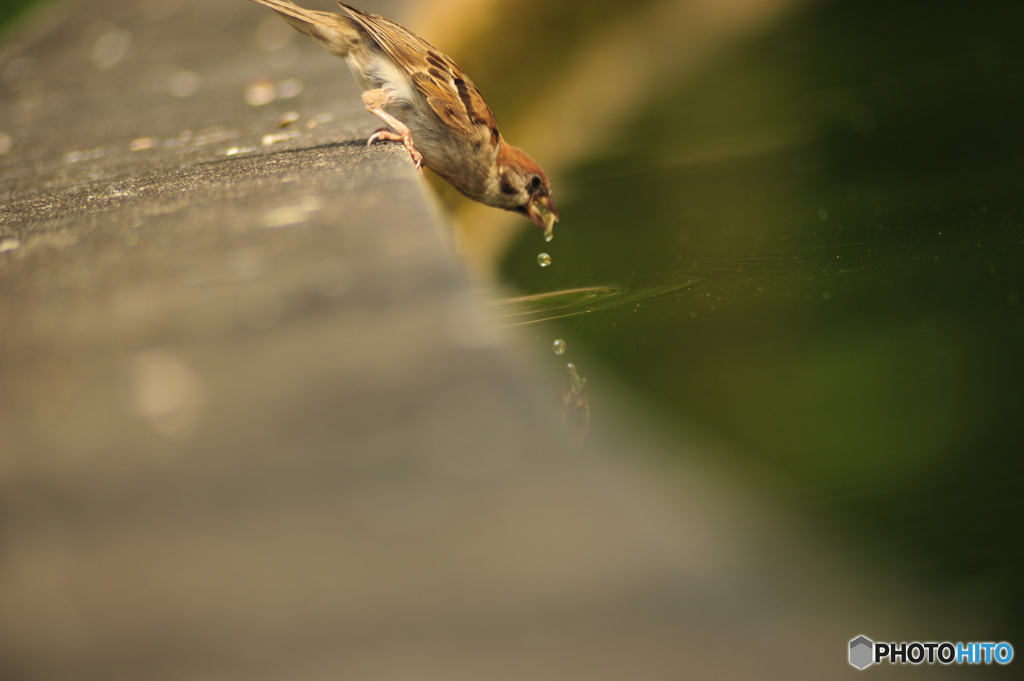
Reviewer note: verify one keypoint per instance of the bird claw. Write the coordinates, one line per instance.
(386, 135)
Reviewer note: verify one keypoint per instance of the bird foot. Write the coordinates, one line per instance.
(406, 139)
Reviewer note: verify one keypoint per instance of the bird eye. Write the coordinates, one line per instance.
(535, 182)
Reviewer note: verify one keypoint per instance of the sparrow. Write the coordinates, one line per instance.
(432, 107)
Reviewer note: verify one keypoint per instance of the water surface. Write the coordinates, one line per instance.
(815, 251)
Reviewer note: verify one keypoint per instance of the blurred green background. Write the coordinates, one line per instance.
(9, 9)
(818, 246)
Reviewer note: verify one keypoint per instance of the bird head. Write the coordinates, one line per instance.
(521, 186)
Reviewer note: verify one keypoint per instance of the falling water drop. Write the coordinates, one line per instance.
(575, 397)
(558, 347)
(543, 259)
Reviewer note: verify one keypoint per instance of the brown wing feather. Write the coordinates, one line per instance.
(449, 92)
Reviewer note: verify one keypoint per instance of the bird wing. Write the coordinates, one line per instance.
(333, 31)
(449, 91)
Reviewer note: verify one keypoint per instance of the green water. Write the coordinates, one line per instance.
(10, 9)
(819, 258)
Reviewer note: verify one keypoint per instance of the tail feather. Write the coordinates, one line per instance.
(333, 31)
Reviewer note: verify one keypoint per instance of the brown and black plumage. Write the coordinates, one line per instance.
(431, 106)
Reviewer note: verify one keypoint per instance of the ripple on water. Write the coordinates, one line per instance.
(730, 277)
(545, 307)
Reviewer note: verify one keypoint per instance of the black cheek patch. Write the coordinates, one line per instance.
(507, 187)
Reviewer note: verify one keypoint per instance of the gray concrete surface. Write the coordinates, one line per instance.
(253, 425)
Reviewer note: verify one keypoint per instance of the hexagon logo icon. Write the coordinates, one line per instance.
(862, 652)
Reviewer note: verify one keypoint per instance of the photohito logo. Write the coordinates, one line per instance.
(864, 652)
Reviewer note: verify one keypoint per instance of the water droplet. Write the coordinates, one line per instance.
(575, 378)
(575, 401)
(549, 235)
(558, 347)
(543, 259)
(823, 214)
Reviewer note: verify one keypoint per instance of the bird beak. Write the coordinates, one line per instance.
(544, 213)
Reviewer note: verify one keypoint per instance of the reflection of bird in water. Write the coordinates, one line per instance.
(433, 108)
(575, 402)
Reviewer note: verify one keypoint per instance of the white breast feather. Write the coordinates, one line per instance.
(394, 81)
